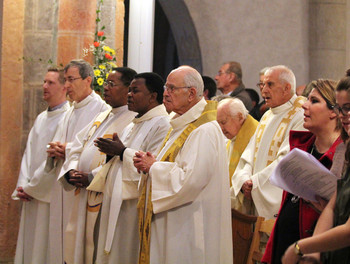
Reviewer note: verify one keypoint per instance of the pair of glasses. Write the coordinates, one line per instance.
(344, 110)
(109, 83)
(71, 79)
(222, 72)
(260, 85)
(171, 89)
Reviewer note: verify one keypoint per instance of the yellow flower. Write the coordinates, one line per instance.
(107, 74)
(102, 67)
(100, 81)
(112, 64)
(97, 72)
(108, 49)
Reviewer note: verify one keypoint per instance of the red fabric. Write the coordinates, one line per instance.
(307, 216)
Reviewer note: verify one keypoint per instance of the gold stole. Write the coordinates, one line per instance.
(242, 139)
(145, 218)
(280, 131)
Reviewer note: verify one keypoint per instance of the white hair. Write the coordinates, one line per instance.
(192, 78)
(263, 70)
(286, 76)
(235, 107)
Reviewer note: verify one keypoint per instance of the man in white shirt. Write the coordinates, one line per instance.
(270, 142)
(184, 208)
(32, 243)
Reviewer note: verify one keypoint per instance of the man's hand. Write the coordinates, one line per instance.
(110, 147)
(143, 161)
(22, 195)
(57, 150)
(247, 189)
(79, 179)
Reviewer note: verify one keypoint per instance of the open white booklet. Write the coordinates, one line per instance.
(301, 174)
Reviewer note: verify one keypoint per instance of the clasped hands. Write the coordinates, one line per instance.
(112, 147)
(247, 189)
(22, 195)
(56, 150)
(143, 161)
(78, 178)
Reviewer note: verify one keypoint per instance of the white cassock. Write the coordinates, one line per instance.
(32, 243)
(84, 156)
(79, 116)
(257, 165)
(118, 233)
(191, 197)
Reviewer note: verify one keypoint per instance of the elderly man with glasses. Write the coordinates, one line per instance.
(184, 208)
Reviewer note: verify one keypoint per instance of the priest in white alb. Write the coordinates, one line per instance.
(83, 161)
(184, 208)
(118, 230)
(33, 236)
(86, 105)
(270, 142)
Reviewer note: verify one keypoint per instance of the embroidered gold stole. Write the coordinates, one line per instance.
(280, 131)
(145, 211)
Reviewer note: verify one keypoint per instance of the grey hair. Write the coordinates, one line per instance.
(192, 78)
(235, 107)
(85, 69)
(263, 70)
(286, 76)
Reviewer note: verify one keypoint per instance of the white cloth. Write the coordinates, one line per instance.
(266, 197)
(75, 120)
(32, 243)
(191, 199)
(81, 157)
(118, 233)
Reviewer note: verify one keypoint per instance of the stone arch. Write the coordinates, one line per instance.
(184, 32)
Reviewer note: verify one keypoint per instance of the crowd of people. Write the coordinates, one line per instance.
(149, 171)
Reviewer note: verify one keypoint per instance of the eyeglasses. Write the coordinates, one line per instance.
(71, 79)
(344, 110)
(171, 89)
(260, 85)
(222, 72)
(109, 83)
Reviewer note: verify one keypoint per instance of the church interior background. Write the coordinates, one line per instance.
(311, 37)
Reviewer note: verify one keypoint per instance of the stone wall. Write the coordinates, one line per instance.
(32, 32)
(10, 121)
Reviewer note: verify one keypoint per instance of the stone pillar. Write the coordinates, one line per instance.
(10, 121)
(327, 38)
(76, 28)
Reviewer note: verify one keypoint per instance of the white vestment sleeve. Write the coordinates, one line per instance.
(180, 182)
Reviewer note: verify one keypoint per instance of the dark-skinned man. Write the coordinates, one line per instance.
(118, 233)
(84, 160)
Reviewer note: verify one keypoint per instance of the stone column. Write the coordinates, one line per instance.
(327, 38)
(10, 121)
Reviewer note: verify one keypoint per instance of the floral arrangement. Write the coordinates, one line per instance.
(104, 56)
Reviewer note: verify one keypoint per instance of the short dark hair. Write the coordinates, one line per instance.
(154, 83)
(85, 69)
(127, 73)
(60, 72)
(210, 85)
(254, 96)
